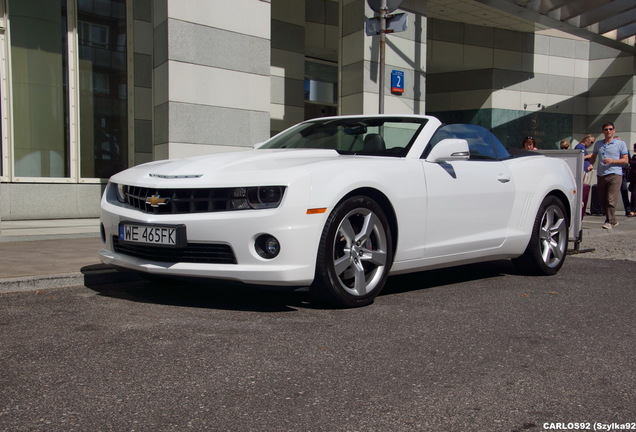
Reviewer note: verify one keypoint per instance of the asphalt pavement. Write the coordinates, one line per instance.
(43, 254)
(479, 348)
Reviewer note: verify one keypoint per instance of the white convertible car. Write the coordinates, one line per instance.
(338, 204)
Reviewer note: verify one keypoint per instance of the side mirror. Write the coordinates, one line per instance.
(449, 149)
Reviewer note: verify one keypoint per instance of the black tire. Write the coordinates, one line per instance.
(547, 249)
(354, 255)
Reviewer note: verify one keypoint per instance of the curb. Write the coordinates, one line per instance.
(95, 275)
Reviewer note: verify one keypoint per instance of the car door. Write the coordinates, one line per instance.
(469, 202)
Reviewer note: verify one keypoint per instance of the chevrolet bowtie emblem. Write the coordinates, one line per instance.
(156, 201)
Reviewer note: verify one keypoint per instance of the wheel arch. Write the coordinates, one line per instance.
(384, 202)
(566, 203)
(547, 246)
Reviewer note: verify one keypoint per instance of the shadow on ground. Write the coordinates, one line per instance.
(214, 294)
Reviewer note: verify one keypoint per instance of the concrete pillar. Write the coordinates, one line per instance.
(211, 76)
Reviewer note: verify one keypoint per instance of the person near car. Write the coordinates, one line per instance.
(625, 191)
(612, 155)
(587, 169)
(529, 143)
(624, 187)
(632, 183)
(564, 144)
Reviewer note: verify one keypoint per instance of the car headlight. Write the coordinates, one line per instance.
(259, 197)
(120, 192)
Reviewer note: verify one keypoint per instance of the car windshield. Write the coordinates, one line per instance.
(379, 136)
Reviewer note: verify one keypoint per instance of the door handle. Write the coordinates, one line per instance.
(503, 178)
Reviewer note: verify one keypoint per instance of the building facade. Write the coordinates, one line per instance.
(90, 87)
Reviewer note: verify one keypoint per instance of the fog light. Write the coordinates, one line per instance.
(267, 246)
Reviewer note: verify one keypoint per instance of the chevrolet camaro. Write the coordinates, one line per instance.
(337, 204)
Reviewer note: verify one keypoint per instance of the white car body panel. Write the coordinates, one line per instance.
(446, 213)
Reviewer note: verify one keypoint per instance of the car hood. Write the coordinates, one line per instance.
(252, 167)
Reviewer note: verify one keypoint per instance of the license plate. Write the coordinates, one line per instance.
(160, 235)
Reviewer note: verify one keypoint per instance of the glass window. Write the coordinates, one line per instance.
(40, 92)
(483, 145)
(103, 87)
(321, 89)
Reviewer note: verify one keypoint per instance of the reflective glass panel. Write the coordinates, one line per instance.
(103, 88)
(40, 97)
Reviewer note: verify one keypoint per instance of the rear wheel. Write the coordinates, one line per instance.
(548, 244)
(355, 254)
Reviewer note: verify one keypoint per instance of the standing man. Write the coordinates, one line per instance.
(613, 155)
(632, 183)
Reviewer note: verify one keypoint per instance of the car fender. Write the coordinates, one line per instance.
(401, 181)
(536, 178)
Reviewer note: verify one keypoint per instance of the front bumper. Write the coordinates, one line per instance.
(298, 233)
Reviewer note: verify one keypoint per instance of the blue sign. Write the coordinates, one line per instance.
(397, 81)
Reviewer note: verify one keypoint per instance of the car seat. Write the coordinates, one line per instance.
(373, 143)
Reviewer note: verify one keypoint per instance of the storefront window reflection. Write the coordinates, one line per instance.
(40, 84)
(40, 95)
(103, 91)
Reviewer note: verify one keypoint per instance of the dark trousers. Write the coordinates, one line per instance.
(625, 196)
(586, 195)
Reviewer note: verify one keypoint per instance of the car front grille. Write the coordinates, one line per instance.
(203, 253)
(178, 201)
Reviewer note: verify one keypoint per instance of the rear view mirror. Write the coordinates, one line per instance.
(356, 130)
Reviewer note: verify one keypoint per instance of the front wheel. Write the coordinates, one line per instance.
(355, 254)
(548, 244)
